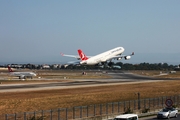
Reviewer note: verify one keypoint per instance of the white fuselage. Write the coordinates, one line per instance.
(23, 74)
(103, 57)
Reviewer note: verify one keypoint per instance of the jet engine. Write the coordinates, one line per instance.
(119, 58)
(83, 62)
(127, 57)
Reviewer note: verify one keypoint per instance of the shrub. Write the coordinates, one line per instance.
(128, 110)
(146, 110)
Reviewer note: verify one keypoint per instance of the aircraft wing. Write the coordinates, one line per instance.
(74, 56)
(22, 76)
(126, 57)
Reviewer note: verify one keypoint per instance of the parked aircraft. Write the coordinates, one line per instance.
(21, 75)
(102, 58)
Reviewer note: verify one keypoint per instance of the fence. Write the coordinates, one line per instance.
(79, 112)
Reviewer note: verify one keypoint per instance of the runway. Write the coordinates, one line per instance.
(118, 77)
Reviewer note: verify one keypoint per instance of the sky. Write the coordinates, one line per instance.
(38, 30)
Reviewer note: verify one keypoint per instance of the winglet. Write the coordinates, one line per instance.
(132, 53)
(62, 54)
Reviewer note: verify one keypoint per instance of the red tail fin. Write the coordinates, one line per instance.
(9, 69)
(82, 55)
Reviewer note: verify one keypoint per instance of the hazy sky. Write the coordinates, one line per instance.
(38, 30)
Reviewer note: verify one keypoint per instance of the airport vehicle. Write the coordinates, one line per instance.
(21, 75)
(167, 113)
(101, 59)
(127, 117)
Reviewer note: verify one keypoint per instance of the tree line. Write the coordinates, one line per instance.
(146, 66)
(112, 65)
(129, 66)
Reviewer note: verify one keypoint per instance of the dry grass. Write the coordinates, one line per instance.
(62, 98)
(162, 74)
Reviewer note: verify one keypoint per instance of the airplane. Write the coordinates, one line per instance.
(102, 58)
(21, 75)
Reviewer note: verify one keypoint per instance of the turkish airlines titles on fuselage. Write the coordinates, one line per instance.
(103, 57)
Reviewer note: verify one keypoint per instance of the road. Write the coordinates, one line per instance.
(155, 118)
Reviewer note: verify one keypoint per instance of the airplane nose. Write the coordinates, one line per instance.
(122, 49)
(33, 74)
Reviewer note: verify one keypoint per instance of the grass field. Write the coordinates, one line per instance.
(156, 73)
(62, 98)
